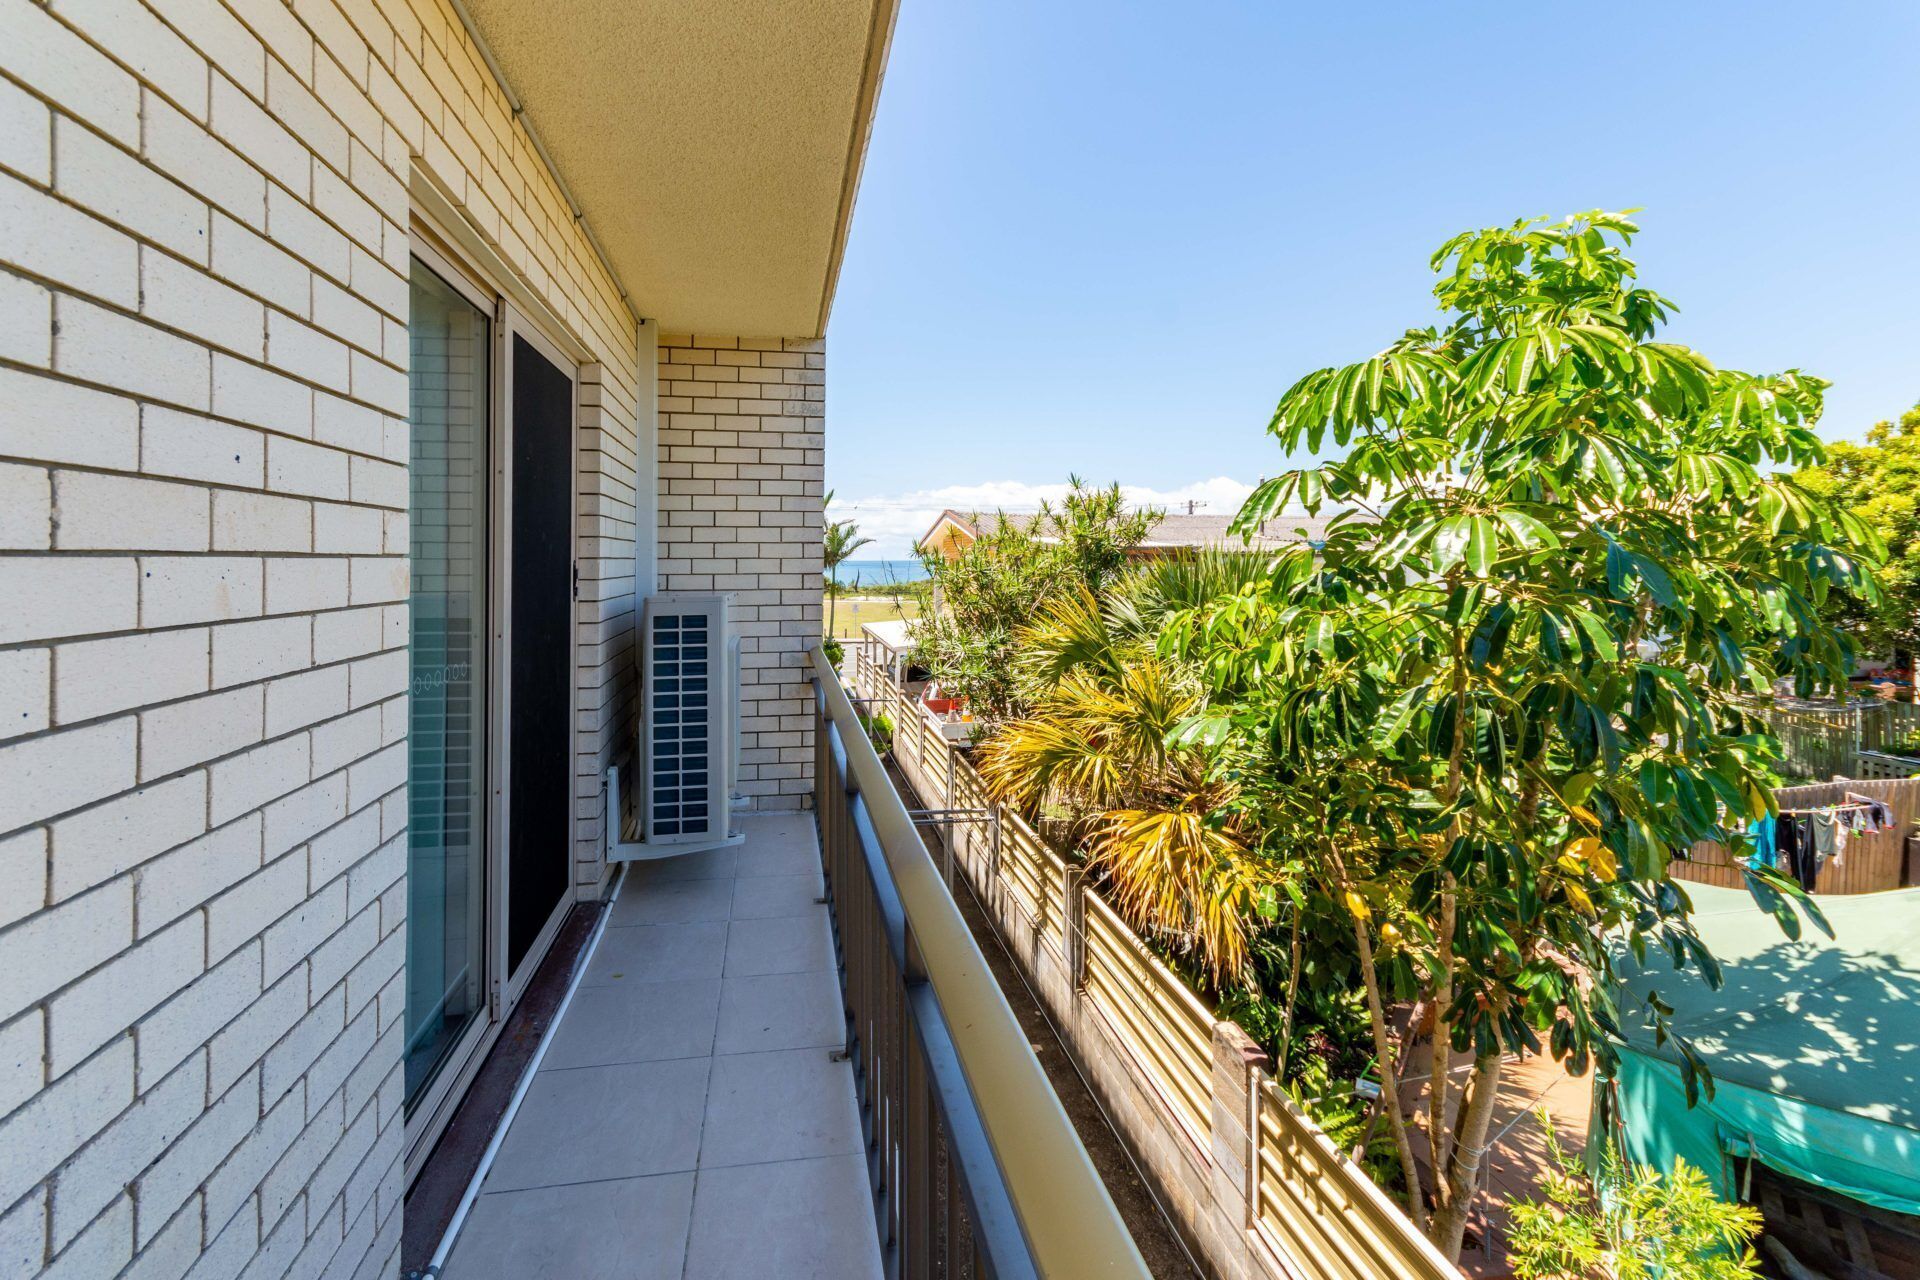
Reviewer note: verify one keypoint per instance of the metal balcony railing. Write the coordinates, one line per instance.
(975, 1168)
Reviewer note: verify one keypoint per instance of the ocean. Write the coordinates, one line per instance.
(880, 572)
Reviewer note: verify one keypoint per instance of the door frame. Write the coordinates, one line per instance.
(427, 1119)
(510, 323)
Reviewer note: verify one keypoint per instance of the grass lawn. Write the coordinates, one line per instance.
(855, 611)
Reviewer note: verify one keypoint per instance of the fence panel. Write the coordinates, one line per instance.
(1876, 764)
(1818, 742)
(1315, 1205)
(1023, 868)
(1162, 1024)
(1892, 724)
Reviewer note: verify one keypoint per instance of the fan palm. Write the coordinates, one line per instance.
(1093, 753)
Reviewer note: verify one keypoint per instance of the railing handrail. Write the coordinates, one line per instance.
(1070, 1222)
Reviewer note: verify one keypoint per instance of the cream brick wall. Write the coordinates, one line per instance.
(741, 483)
(204, 235)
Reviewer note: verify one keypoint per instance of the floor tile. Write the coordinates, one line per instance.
(780, 1011)
(658, 953)
(809, 1219)
(672, 902)
(794, 858)
(626, 1229)
(778, 896)
(640, 1022)
(604, 1122)
(781, 831)
(781, 944)
(778, 1106)
(708, 864)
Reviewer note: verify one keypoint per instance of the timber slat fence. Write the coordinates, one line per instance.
(1254, 1188)
(1859, 738)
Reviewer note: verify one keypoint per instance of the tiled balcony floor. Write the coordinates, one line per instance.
(687, 1120)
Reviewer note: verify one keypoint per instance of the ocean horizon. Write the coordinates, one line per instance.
(880, 573)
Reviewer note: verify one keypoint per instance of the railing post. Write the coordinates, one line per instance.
(1073, 923)
(1239, 1064)
(993, 856)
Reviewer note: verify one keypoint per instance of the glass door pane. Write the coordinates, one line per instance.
(448, 712)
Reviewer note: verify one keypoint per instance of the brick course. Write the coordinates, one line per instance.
(742, 479)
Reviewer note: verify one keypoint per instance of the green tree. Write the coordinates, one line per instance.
(1001, 582)
(842, 540)
(1631, 1223)
(1487, 719)
(1879, 481)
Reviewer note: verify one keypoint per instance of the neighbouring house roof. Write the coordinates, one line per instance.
(713, 148)
(1172, 531)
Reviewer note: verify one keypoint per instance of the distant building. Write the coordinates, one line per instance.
(954, 531)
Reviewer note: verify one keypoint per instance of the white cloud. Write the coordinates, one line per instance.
(896, 521)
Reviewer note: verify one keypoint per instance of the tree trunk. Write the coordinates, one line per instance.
(1293, 994)
(1449, 1227)
(1389, 1076)
(1439, 1132)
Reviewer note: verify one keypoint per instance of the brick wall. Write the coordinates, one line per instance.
(203, 587)
(741, 482)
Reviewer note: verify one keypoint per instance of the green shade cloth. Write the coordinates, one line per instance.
(1814, 1046)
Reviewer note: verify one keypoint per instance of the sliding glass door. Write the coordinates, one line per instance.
(491, 648)
(450, 708)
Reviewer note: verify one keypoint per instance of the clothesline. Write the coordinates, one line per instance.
(1801, 842)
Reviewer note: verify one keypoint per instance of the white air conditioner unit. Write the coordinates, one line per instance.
(689, 730)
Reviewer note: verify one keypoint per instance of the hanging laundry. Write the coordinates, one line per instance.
(1791, 833)
(1827, 835)
(1760, 831)
(1875, 816)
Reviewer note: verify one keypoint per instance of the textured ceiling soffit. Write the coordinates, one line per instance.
(707, 143)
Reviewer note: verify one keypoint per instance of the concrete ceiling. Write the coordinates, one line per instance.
(713, 145)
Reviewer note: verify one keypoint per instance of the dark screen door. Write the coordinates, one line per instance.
(539, 751)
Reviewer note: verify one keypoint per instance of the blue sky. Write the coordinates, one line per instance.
(1104, 237)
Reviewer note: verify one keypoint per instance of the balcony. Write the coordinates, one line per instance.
(691, 1115)
(791, 1060)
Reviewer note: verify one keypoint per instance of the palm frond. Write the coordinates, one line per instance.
(1174, 871)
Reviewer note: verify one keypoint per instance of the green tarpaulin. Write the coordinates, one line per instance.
(1814, 1046)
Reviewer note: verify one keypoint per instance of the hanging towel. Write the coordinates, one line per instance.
(1828, 837)
(1761, 832)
